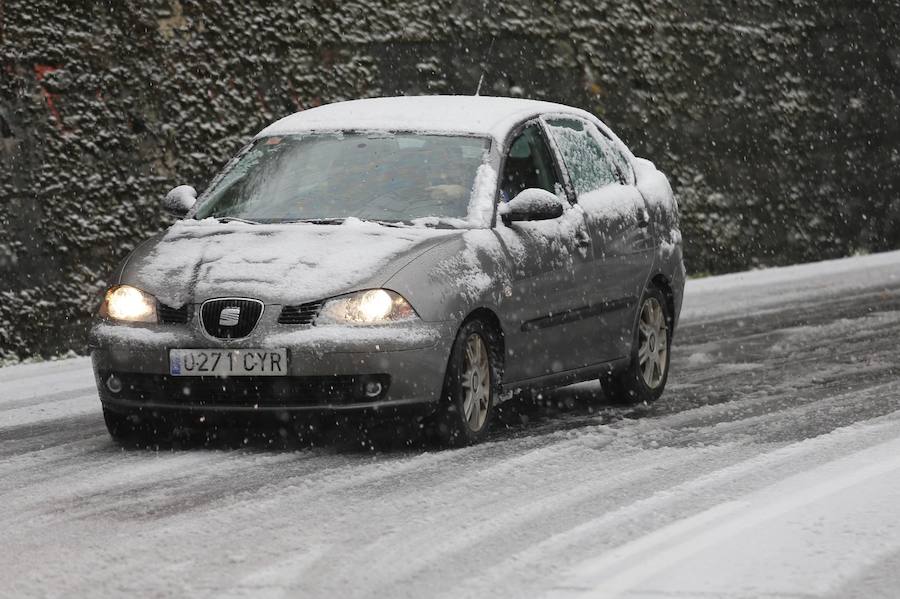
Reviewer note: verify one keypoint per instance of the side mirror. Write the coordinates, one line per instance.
(531, 204)
(180, 200)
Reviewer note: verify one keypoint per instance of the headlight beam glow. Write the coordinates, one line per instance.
(374, 306)
(129, 304)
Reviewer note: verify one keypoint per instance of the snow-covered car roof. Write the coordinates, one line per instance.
(472, 115)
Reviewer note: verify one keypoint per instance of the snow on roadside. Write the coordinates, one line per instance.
(25, 382)
(38, 392)
(756, 291)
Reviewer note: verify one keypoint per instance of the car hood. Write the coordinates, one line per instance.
(279, 264)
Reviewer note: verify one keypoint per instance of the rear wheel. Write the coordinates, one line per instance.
(646, 375)
(470, 386)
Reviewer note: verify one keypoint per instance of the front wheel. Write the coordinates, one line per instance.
(646, 375)
(470, 386)
(131, 429)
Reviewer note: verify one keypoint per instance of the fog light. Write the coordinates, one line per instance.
(113, 383)
(373, 389)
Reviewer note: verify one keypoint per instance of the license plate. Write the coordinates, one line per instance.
(228, 362)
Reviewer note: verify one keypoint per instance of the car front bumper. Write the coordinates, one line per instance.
(328, 368)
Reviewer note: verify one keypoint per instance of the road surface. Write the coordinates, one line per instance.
(771, 467)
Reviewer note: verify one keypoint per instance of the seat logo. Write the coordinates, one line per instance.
(229, 316)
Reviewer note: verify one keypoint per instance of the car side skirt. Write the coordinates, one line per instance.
(566, 377)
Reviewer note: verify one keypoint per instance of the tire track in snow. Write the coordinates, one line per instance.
(456, 541)
(62, 408)
(39, 400)
(624, 568)
(667, 504)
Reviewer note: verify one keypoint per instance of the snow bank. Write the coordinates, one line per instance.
(760, 290)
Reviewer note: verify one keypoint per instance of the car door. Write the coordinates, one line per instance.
(618, 223)
(550, 266)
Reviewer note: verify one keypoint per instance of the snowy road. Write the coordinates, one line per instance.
(771, 467)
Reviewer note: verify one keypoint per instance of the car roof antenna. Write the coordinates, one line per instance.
(484, 67)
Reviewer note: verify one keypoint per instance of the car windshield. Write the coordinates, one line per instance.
(329, 177)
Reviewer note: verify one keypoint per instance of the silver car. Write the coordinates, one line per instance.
(423, 257)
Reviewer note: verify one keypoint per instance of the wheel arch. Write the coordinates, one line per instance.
(444, 423)
(661, 282)
(489, 317)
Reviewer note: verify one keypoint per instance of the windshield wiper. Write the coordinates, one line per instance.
(235, 219)
(428, 224)
(385, 223)
(390, 223)
(318, 221)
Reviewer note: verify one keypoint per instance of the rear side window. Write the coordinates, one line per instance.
(588, 162)
(614, 155)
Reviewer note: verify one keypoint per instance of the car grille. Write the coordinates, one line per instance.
(230, 318)
(302, 314)
(170, 315)
(247, 391)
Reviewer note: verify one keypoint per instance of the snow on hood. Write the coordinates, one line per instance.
(278, 263)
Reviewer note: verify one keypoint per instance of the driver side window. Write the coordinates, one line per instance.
(528, 164)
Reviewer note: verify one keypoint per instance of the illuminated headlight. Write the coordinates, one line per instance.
(129, 304)
(375, 306)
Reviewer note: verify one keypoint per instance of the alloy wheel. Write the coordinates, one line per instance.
(476, 383)
(653, 343)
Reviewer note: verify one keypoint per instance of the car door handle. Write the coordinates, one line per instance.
(643, 218)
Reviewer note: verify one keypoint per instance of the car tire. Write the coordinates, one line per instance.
(119, 425)
(471, 386)
(645, 377)
(130, 429)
